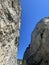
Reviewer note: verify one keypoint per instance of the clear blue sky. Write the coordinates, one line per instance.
(32, 12)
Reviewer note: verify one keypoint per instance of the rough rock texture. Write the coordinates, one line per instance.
(39, 47)
(10, 12)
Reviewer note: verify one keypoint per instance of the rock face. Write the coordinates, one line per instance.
(10, 12)
(39, 48)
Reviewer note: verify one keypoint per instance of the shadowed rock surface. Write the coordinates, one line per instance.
(10, 12)
(38, 51)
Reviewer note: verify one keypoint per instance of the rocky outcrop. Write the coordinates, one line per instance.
(39, 47)
(10, 12)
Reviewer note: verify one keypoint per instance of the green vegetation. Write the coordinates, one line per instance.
(24, 62)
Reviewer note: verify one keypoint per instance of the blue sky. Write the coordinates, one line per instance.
(32, 12)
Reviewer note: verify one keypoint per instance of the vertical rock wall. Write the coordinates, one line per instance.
(38, 51)
(10, 12)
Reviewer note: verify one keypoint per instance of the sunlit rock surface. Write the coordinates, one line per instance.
(38, 51)
(10, 12)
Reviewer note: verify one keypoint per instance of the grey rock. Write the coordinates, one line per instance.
(39, 47)
(10, 13)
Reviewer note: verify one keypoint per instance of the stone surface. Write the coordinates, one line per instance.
(39, 47)
(10, 12)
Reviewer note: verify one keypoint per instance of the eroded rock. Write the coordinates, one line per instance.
(10, 12)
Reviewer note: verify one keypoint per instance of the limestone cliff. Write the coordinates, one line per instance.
(10, 12)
